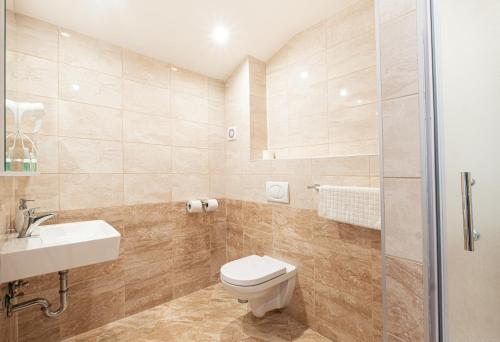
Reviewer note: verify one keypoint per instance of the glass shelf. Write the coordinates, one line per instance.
(18, 174)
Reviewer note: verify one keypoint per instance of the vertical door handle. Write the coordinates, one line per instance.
(470, 235)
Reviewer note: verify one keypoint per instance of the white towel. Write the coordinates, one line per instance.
(354, 205)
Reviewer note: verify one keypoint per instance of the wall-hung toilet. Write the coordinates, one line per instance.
(266, 283)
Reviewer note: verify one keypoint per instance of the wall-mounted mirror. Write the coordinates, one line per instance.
(23, 114)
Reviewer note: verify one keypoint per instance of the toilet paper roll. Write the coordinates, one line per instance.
(194, 206)
(212, 205)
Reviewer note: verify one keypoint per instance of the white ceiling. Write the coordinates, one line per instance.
(178, 31)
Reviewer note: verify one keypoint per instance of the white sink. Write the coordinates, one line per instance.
(57, 247)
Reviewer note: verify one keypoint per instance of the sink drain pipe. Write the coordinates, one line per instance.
(44, 303)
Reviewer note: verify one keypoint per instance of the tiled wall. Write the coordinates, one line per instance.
(127, 139)
(338, 292)
(245, 178)
(120, 128)
(339, 289)
(403, 231)
(322, 89)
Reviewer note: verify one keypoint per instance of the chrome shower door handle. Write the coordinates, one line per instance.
(470, 235)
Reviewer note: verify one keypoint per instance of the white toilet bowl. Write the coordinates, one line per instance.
(266, 283)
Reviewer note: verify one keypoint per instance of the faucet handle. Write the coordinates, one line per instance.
(23, 203)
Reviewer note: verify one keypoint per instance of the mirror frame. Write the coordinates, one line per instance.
(2, 86)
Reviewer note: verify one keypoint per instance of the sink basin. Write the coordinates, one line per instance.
(57, 247)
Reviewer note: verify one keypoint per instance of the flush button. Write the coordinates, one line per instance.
(277, 192)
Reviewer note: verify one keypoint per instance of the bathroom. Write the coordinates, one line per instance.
(248, 171)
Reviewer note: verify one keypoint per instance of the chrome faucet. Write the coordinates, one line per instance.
(28, 220)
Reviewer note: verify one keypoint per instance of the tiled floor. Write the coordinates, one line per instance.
(207, 315)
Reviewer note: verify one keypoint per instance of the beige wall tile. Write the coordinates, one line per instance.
(391, 9)
(147, 188)
(48, 154)
(189, 83)
(351, 22)
(352, 90)
(31, 36)
(88, 121)
(403, 218)
(353, 124)
(31, 75)
(144, 128)
(189, 160)
(341, 166)
(189, 107)
(82, 51)
(44, 189)
(189, 134)
(352, 55)
(401, 140)
(217, 186)
(139, 97)
(90, 156)
(307, 43)
(80, 191)
(354, 148)
(145, 69)
(399, 57)
(146, 158)
(91, 87)
(190, 186)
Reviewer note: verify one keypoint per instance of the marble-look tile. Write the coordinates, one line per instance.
(90, 156)
(353, 124)
(48, 154)
(206, 315)
(86, 52)
(341, 166)
(391, 9)
(401, 138)
(189, 107)
(351, 22)
(31, 36)
(147, 188)
(399, 57)
(357, 88)
(143, 98)
(31, 75)
(188, 82)
(189, 160)
(145, 69)
(79, 191)
(91, 87)
(403, 218)
(189, 134)
(405, 301)
(351, 55)
(80, 120)
(148, 129)
(44, 189)
(146, 158)
(186, 186)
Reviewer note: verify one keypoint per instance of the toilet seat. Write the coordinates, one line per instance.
(254, 270)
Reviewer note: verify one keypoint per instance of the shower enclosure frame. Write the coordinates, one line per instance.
(435, 285)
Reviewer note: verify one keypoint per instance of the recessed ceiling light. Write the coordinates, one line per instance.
(65, 34)
(343, 92)
(75, 87)
(304, 75)
(220, 34)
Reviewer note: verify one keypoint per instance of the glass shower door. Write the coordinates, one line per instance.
(467, 61)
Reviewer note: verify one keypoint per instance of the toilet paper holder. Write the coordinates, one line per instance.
(205, 205)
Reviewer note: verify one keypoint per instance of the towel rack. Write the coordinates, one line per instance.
(314, 187)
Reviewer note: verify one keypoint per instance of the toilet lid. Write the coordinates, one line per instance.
(252, 270)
